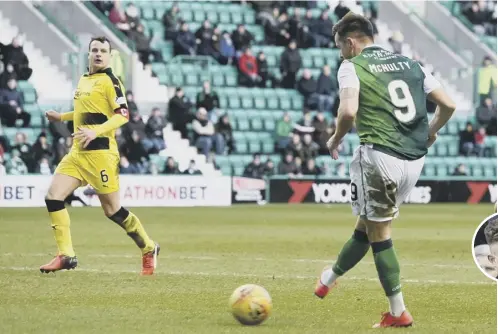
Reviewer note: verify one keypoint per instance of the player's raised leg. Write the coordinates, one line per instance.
(62, 185)
(134, 228)
(388, 269)
(351, 254)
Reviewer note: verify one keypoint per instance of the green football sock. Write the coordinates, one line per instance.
(387, 266)
(353, 251)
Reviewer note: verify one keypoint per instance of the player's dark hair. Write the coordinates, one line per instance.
(353, 23)
(101, 39)
(491, 231)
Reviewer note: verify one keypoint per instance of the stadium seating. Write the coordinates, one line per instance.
(255, 111)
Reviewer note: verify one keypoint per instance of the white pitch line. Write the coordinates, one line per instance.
(212, 258)
(229, 274)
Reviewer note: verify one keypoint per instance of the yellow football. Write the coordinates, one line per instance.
(250, 304)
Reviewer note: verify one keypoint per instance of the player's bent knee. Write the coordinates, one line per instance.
(378, 231)
(119, 217)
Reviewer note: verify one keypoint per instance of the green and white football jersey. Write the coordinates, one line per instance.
(392, 112)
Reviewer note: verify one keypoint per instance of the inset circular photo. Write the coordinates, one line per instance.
(485, 247)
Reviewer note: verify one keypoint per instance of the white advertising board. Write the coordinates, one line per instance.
(136, 191)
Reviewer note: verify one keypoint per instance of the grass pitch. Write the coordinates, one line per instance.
(208, 252)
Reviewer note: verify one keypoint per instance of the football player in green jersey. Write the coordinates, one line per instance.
(384, 95)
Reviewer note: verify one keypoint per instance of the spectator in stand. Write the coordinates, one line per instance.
(242, 38)
(192, 169)
(118, 17)
(486, 112)
(477, 16)
(309, 148)
(467, 140)
(248, 70)
(322, 133)
(307, 86)
(62, 147)
(204, 135)
(132, 16)
(287, 166)
(322, 30)
(209, 100)
(170, 167)
(264, 73)
(211, 159)
(142, 44)
(270, 22)
(296, 146)
(154, 130)
(269, 169)
(224, 129)
(185, 42)
(460, 170)
(487, 80)
(11, 104)
(137, 125)
(4, 142)
(305, 124)
(125, 167)
(43, 166)
(283, 130)
(480, 137)
(14, 54)
(7, 75)
(136, 154)
(341, 10)
(171, 20)
(255, 169)
(326, 90)
(311, 168)
(296, 26)
(40, 149)
(130, 100)
(283, 35)
(227, 49)
(299, 166)
(120, 138)
(290, 63)
(179, 112)
(16, 165)
(204, 40)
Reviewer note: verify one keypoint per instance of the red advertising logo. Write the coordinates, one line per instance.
(300, 190)
(477, 191)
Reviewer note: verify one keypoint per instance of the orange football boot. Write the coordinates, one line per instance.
(388, 320)
(149, 261)
(60, 262)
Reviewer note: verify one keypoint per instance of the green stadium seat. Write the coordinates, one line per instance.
(212, 16)
(307, 62)
(247, 102)
(453, 147)
(256, 124)
(218, 79)
(29, 96)
(224, 17)
(254, 147)
(243, 124)
(269, 124)
(477, 171)
(191, 79)
(285, 103)
(199, 16)
(148, 13)
(241, 147)
(429, 170)
(231, 79)
(236, 18)
(249, 18)
(272, 102)
(234, 102)
(267, 147)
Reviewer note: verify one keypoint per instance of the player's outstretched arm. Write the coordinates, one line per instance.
(54, 116)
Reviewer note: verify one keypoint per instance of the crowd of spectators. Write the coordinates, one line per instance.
(481, 14)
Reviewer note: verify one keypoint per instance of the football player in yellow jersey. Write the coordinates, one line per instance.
(99, 109)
